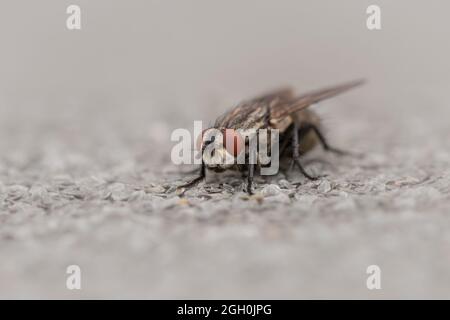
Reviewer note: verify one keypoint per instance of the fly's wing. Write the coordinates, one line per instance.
(280, 111)
(274, 107)
(254, 113)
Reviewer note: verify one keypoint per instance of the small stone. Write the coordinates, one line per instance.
(324, 186)
(343, 194)
(155, 189)
(180, 191)
(38, 192)
(16, 192)
(213, 188)
(284, 184)
(271, 190)
(119, 192)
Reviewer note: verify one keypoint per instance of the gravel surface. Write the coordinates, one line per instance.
(103, 197)
(86, 177)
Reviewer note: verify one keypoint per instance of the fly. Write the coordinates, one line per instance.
(299, 129)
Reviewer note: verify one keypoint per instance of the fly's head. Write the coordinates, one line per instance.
(220, 148)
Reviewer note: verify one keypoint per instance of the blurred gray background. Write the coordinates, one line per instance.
(85, 173)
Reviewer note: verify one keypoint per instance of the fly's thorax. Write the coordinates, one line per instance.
(281, 124)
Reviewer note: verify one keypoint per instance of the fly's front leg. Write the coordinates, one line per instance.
(296, 155)
(197, 179)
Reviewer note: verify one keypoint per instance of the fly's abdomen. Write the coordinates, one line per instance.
(307, 141)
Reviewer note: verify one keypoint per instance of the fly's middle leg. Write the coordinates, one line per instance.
(251, 164)
(195, 180)
(251, 172)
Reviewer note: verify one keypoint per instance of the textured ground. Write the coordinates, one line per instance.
(102, 197)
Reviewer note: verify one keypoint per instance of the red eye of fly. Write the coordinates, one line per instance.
(233, 142)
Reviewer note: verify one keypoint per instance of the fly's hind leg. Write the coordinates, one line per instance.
(324, 142)
(296, 154)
